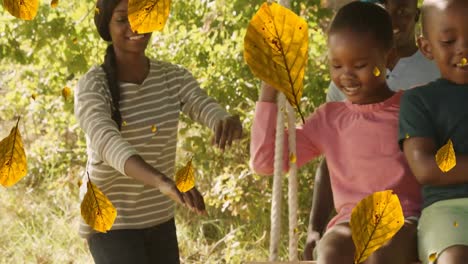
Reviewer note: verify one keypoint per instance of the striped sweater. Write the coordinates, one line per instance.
(150, 113)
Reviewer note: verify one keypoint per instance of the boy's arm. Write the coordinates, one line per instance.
(322, 207)
(420, 153)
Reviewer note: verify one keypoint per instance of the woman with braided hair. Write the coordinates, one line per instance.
(129, 109)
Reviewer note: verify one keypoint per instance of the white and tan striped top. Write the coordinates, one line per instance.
(150, 114)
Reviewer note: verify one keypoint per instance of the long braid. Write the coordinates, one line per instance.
(110, 68)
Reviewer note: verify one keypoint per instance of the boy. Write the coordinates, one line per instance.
(430, 116)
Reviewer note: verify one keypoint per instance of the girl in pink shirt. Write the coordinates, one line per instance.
(357, 136)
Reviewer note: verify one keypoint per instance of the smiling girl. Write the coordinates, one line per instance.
(357, 136)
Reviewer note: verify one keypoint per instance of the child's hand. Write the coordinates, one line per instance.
(227, 130)
(313, 238)
(191, 199)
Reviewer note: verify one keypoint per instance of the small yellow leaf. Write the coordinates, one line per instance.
(376, 72)
(96, 10)
(148, 15)
(66, 92)
(154, 129)
(124, 123)
(374, 221)
(433, 257)
(463, 62)
(407, 135)
(445, 157)
(455, 224)
(13, 164)
(97, 210)
(54, 3)
(292, 158)
(34, 96)
(185, 177)
(23, 9)
(276, 49)
(75, 40)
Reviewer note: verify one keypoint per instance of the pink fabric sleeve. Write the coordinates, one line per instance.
(262, 145)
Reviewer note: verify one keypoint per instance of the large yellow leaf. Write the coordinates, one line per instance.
(275, 48)
(185, 177)
(374, 221)
(445, 157)
(148, 15)
(13, 165)
(97, 210)
(23, 9)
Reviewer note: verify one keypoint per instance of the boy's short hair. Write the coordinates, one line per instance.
(368, 18)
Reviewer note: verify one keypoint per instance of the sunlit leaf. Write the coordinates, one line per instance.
(455, 224)
(23, 9)
(124, 123)
(185, 177)
(292, 158)
(374, 221)
(463, 62)
(34, 96)
(54, 3)
(148, 15)
(13, 164)
(432, 257)
(275, 48)
(66, 92)
(97, 210)
(154, 128)
(445, 157)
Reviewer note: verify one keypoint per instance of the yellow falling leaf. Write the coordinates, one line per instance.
(463, 62)
(407, 136)
(96, 10)
(23, 9)
(66, 92)
(275, 49)
(75, 40)
(374, 221)
(34, 96)
(445, 157)
(185, 177)
(124, 123)
(376, 72)
(13, 164)
(97, 210)
(154, 129)
(54, 3)
(148, 15)
(292, 158)
(455, 224)
(433, 257)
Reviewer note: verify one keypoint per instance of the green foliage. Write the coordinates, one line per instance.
(206, 36)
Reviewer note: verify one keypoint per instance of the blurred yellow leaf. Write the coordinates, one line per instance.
(154, 128)
(445, 157)
(292, 158)
(463, 62)
(54, 3)
(148, 15)
(433, 257)
(185, 177)
(374, 221)
(376, 72)
(34, 96)
(275, 48)
(66, 92)
(97, 210)
(13, 164)
(23, 9)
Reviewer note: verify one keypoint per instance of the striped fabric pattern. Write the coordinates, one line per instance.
(150, 113)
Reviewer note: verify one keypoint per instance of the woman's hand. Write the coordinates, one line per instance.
(227, 130)
(191, 199)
